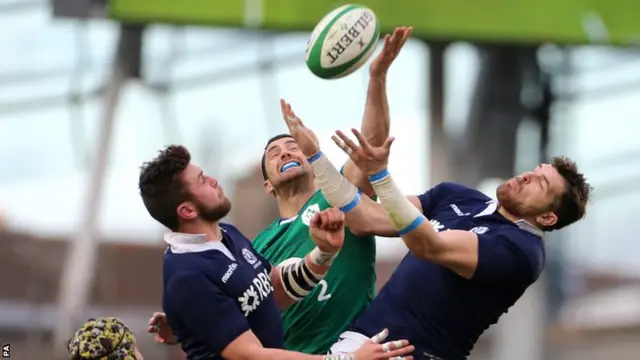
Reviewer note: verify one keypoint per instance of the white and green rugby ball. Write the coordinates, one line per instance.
(342, 42)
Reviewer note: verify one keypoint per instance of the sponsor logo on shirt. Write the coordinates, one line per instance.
(256, 293)
(251, 259)
(457, 210)
(437, 226)
(308, 213)
(479, 229)
(229, 272)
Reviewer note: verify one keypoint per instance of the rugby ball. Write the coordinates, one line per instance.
(342, 42)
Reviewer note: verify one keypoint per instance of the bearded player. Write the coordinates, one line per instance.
(221, 298)
(313, 324)
(470, 258)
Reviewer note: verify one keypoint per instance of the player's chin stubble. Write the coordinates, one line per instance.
(215, 213)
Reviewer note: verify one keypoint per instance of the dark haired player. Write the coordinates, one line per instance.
(313, 324)
(470, 258)
(221, 298)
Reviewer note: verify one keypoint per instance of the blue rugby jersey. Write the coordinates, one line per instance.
(440, 312)
(216, 290)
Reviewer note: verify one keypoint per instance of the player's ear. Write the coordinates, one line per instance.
(547, 219)
(268, 188)
(187, 211)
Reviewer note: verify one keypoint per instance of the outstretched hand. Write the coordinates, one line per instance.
(392, 45)
(374, 350)
(306, 139)
(370, 159)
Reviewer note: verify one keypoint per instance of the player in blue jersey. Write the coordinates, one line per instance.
(221, 298)
(470, 258)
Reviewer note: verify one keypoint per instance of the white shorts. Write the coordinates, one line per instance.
(348, 342)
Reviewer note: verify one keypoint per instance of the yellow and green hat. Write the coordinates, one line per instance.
(104, 338)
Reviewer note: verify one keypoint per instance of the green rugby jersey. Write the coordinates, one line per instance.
(313, 324)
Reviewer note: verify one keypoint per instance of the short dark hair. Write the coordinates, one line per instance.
(161, 187)
(264, 153)
(571, 206)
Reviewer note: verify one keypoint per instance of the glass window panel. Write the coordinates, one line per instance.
(197, 39)
(597, 128)
(462, 64)
(232, 114)
(29, 93)
(220, 62)
(99, 38)
(35, 145)
(608, 240)
(43, 44)
(590, 120)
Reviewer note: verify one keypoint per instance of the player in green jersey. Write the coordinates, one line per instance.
(314, 324)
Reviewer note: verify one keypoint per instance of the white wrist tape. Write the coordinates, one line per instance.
(338, 191)
(403, 215)
(321, 258)
(297, 279)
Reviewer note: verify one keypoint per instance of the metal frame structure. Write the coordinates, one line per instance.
(78, 275)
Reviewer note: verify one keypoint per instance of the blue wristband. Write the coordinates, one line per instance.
(314, 157)
(379, 176)
(414, 225)
(352, 204)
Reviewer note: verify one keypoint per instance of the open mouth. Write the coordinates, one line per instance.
(289, 165)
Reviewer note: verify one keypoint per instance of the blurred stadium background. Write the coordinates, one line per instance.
(483, 90)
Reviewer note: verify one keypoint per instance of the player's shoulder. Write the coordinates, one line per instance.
(233, 232)
(229, 228)
(456, 189)
(269, 230)
(527, 244)
(189, 262)
(451, 192)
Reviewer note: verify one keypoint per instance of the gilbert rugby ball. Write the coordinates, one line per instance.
(342, 42)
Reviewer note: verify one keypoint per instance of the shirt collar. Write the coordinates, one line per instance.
(492, 207)
(181, 243)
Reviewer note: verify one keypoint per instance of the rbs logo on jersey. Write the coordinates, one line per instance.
(259, 289)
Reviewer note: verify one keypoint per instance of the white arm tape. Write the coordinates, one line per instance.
(338, 191)
(297, 279)
(319, 257)
(403, 215)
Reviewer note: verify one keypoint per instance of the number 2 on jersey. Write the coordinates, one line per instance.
(324, 291)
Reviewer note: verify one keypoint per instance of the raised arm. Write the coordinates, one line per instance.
(370, 218)
(455, 249)
(295, 278)
(363, 216)
(376, 122)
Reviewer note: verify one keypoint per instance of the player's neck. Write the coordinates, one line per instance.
(211, 229)
(289, 204)
(509, 216)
